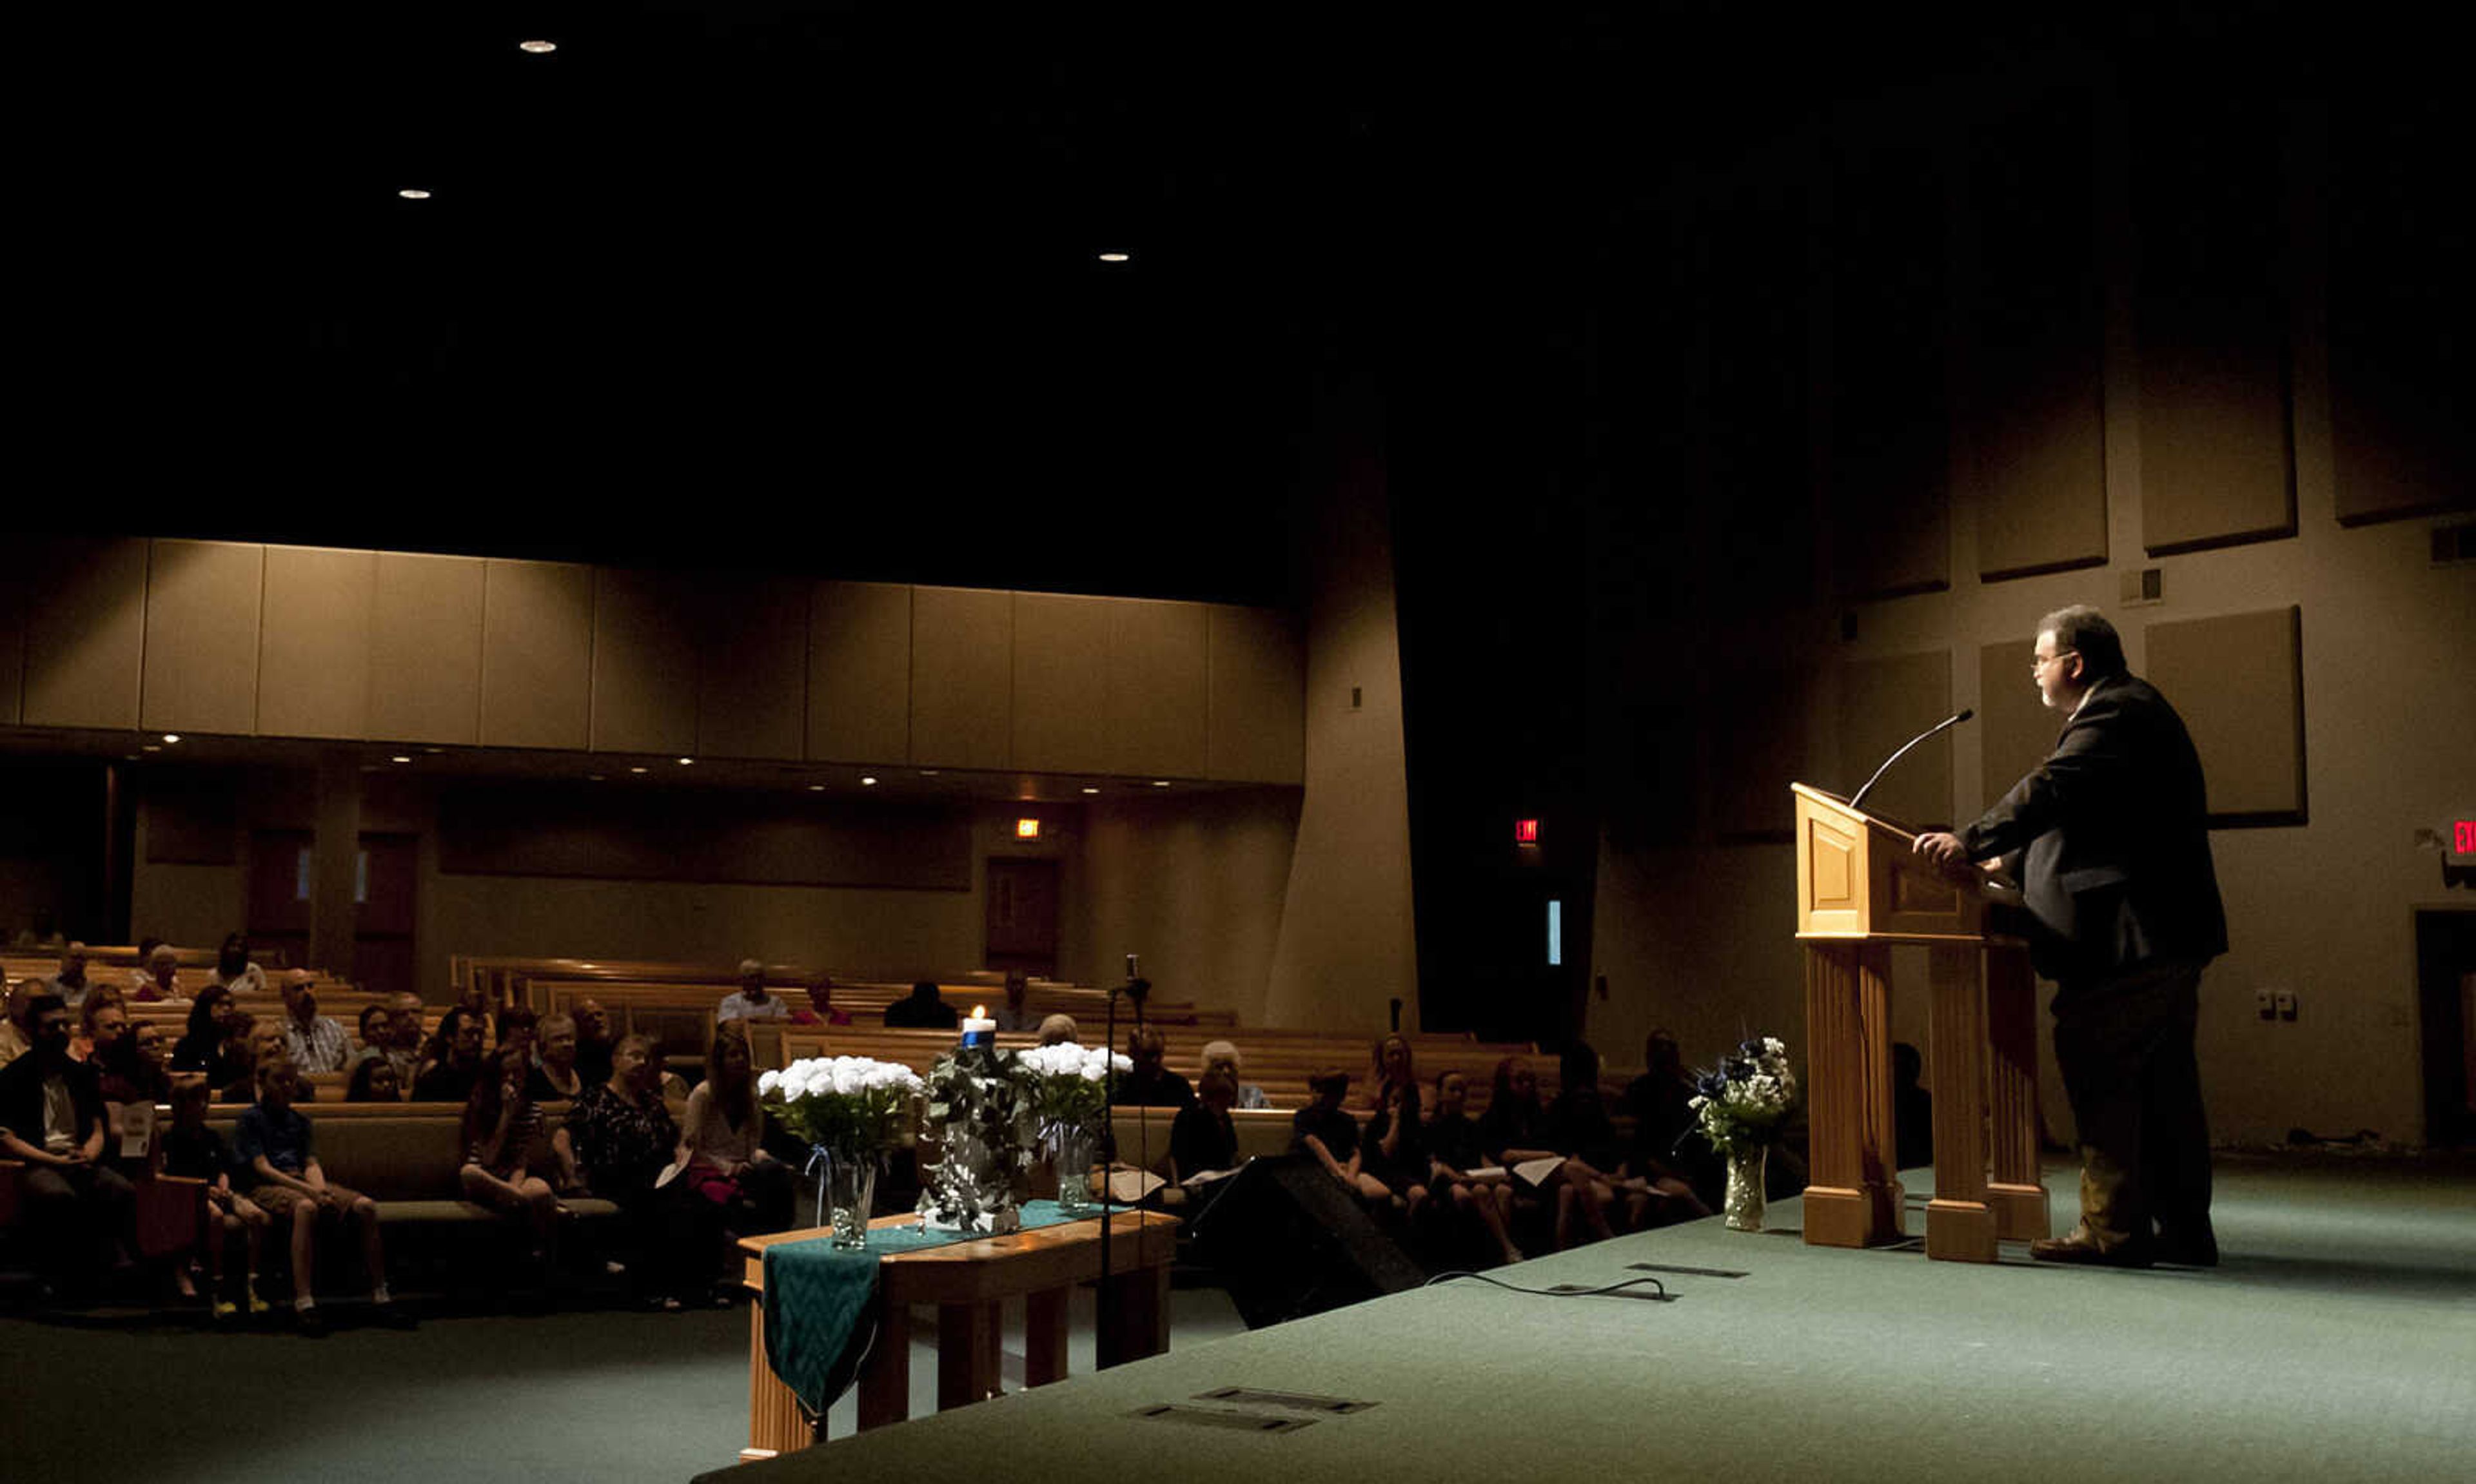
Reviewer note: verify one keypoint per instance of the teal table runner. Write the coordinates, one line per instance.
(818, 1300)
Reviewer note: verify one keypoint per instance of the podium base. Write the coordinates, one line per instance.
(2020, 1212)
(1837, 1216)
(1959, 1232)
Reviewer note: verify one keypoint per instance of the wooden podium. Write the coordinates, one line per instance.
(1861, 889)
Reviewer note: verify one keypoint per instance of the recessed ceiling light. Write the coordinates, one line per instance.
(154, 746)
(415, 195)
(1091, 790)
(399, 758)
(636, 770)
(593, 777)
(687, 762)
(130, 757)
(871, 782)
(1113, 256)
(433, 751)
(816, 788)
(1160, 782)
(171, 736)
(538, 48)
(927, 773)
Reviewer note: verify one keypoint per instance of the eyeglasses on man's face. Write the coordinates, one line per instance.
(2038, 663)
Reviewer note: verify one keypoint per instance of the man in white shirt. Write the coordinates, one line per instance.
(752, 1002)
(317, 1043)
(71, 983)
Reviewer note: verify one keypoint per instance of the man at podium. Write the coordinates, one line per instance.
(2111, 830)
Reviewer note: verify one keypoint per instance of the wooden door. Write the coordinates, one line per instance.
(1022, 916)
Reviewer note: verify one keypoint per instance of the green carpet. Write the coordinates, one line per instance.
(2337, 1342)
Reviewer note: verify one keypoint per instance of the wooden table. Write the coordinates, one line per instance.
(969, 1283)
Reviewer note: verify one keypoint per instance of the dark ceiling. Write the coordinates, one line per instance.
(810, 285)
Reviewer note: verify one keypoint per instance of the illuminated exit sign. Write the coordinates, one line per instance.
(1526, 831)
(2463, 836)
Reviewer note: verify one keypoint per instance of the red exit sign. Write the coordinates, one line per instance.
(2464, 834)
(1526, 831)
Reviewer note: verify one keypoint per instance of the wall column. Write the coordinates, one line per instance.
(335, 849)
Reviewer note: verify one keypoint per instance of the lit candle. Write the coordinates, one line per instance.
(978, 1029)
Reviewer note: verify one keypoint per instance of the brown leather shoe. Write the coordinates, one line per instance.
(2080, 1249)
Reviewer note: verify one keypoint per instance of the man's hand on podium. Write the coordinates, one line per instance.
(1946, 851)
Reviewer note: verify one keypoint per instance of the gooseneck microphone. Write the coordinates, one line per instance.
(1944, 725)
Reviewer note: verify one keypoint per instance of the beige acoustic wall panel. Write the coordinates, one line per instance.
(313, 647)
(1884, 702)
(202, 612)
(86, 632)
(644, 662)
(1063, 683)
(2015, 729)
(1157, 712)
(1761, 743)
(425, 650)
(12, 651)
(1254, 696)
(536, 655)
(962, 678)
(2238, 682)
(859, 672)
(753, 668)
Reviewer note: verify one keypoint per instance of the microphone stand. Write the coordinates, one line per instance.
(1104, 1302)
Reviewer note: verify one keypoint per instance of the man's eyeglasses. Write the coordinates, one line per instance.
(2038, 663)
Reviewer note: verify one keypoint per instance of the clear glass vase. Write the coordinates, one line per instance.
(849, 1190)
(1070, 1150)
(1746, 1170)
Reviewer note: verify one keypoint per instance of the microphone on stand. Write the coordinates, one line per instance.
(1944, 725)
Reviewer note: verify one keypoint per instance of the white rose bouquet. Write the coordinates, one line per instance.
(1070, 1082)
(1741, 1102)
(851, 1105)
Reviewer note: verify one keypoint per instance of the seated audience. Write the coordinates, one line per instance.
(1224, 1054)
(1454, 1158)
(370, 1030)
(81, 1210)
(103, 1022)
(519, 1028)
(452, 1061)
(233, 970)
(404, 1034)
(1058, 1029)
(1151, 1084)
(196, 1152)
(196, 1049)
(315, 1041)
(1203, 1138)
(551, 1076)
(923, 1010)
(624, 1139)
(72, 983)
(1515, 1131)
(1667, 1143)
(258, 1045)
(137, 1067)
(374, 1080)
(159, 977)
(500, 1126)
(1394, 1146)
(272, 1147)
(722, 1139)
(820, 1010)
(1578, 1122)
(1325, 1130)
(751, 1001)
(13, 1040)
(1015, 1012)
(594, 1042)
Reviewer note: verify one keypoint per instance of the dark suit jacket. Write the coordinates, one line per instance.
(2113, 831)
(21, 1098)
